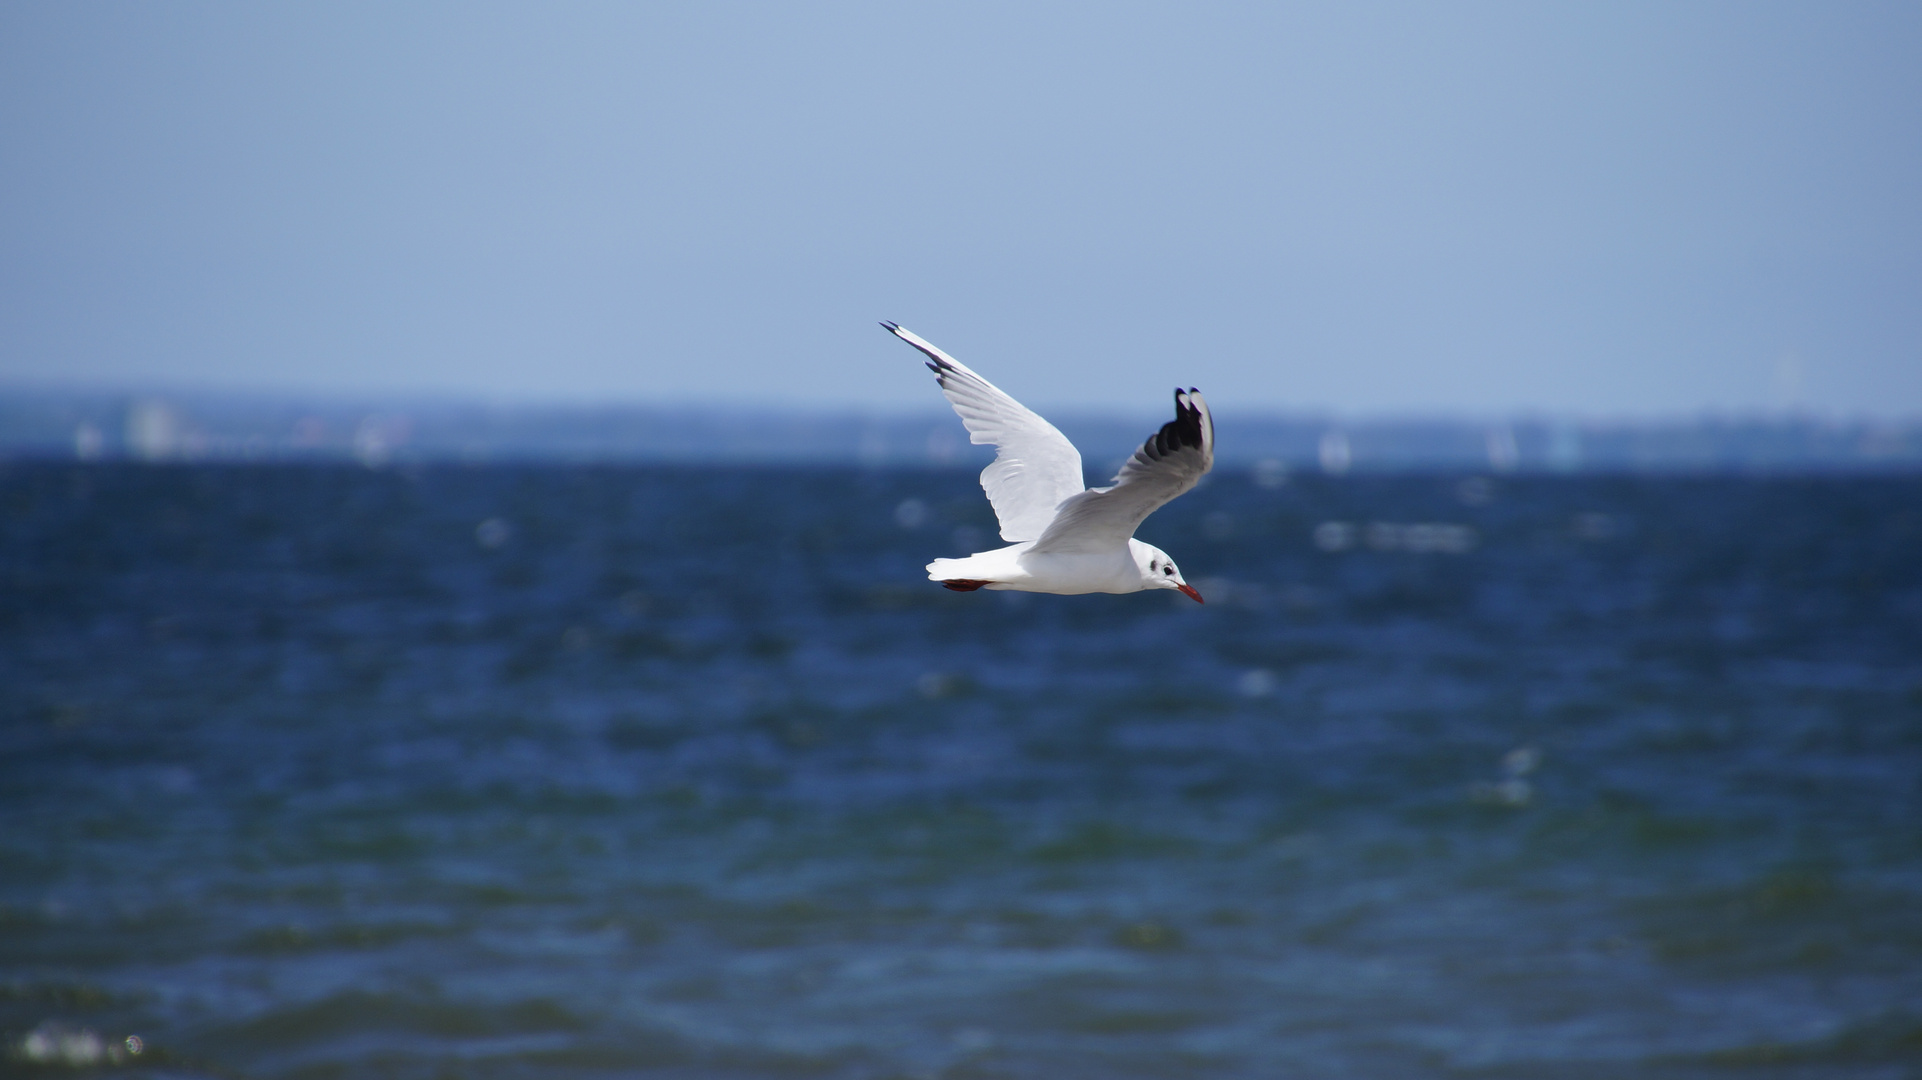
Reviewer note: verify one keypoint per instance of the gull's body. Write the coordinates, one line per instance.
(1070, 573)
(1067, 538)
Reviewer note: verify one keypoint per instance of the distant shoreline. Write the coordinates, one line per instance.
(99, 425)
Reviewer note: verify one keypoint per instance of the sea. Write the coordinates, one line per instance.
(540, 771)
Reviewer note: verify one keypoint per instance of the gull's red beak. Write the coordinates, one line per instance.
(1191, 593)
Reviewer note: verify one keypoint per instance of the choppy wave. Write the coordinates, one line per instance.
(681, 772)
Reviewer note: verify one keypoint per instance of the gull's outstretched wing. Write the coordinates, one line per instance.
(1169, 463)
(1035, 467)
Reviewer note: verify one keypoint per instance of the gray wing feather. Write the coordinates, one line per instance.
(1172, 461)
(1035, 467)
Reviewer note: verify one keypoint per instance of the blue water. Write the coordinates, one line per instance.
(549, 772)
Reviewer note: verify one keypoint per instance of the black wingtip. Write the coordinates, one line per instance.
(892, 327)
(1183, 431)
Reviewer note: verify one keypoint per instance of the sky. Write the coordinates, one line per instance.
(1603, 210)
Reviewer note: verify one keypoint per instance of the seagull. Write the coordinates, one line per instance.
(1065, 537)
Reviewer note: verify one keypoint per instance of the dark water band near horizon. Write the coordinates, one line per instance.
(678, 772)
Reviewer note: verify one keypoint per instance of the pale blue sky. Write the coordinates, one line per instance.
(1620, 209)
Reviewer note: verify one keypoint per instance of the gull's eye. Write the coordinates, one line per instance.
(1169, 570)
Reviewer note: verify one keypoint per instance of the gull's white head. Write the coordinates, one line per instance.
(1158, 571)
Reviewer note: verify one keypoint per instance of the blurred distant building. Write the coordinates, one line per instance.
(153, 430)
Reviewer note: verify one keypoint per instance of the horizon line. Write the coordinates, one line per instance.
(128, 394)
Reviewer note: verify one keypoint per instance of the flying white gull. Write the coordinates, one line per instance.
(1065, 537)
